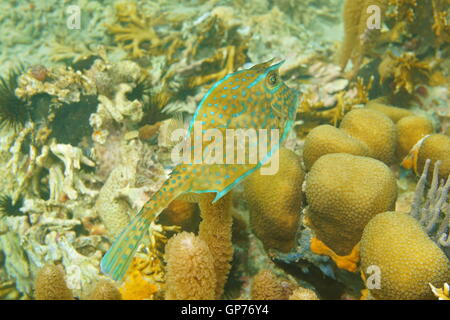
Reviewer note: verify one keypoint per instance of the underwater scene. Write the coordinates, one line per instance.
(225, 150)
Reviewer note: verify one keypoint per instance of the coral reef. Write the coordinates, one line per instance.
(190, 269)
(344, 192)
(87, 116)
(406, 257)
(275, 216)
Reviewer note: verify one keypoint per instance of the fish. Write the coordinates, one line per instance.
(410, 161)
(255, 98)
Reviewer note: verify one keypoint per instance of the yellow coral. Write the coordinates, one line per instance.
(375, 129)
(410, 130)
(394, 113)
(275, 202)
(136, 286)
(358, 38)
(435, 147)
(136, 33)
(50, 284)
(105, 290)
(190, 269)
(303, 294)
(266, 286)
(344, 192)
(215, 230)
(406, 257)
(327, 139)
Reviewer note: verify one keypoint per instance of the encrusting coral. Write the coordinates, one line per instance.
(344, 192)
(327, 139)
(50, 284)
(375, 129)
(274, 215)
(190, 269)
(406, 257)
(267, 286)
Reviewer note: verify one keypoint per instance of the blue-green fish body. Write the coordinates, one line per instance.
(255, 98)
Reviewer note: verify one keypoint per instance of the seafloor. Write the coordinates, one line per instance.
(91, 92)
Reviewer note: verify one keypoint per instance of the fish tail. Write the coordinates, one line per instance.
(116, 261)
(118, 258)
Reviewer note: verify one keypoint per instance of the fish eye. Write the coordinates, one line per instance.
(272, 78)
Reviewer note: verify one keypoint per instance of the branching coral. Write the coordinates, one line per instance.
(135, 31)
(406, 71)
(433, 210)
(358, 36)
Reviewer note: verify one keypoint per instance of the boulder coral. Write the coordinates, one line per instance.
(344, 192)
(375, 129)
(327, 139)
(190, 269)
(408, 260)
(394, 113)
(410, 130)
(435, 147)
(275, 202)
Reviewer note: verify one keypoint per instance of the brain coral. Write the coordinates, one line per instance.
(275, 202)
(410, 130)
(326, 139)
(407, 258)
(190, 269)
(375, 129)
(435, 147)
(344, 192)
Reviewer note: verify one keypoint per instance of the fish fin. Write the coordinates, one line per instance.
(116, 261)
